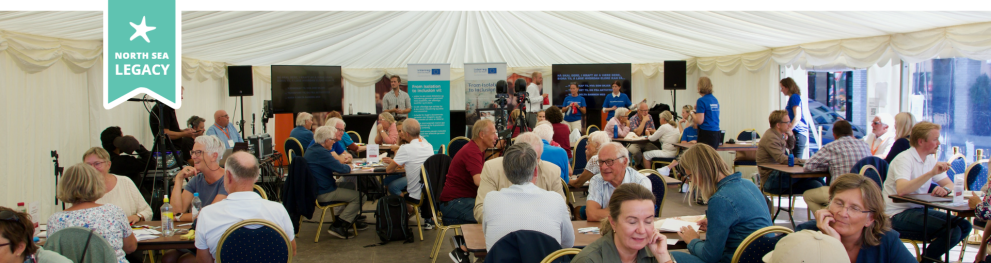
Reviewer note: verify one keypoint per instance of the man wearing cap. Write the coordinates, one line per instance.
(808, 246)
(120, 147)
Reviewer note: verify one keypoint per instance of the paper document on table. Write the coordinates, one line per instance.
(674, 225)
(672, 241)
(145, 237)
(147, 232)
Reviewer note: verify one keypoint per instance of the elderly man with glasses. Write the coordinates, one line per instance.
(224, 129)
(614, 170)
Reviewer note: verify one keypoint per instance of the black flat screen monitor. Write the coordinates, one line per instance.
(307, 88)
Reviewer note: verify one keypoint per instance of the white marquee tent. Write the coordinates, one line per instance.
(51, 64)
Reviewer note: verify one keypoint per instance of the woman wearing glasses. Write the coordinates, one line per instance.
(82, 186)
(737, 207)
(16, 244)
(387, 132)
(856, 217)
(118, 190)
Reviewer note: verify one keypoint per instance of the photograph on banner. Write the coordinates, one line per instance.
(392, 92)
(480, 88)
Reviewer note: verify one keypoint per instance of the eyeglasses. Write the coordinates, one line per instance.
(195, 153)
(608, 161)
(876, 122)
(95, 164)
(849, 209)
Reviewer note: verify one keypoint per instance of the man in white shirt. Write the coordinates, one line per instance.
(881, 138)
(409, 157)
(615, 170)
(242, 204)
(524, 206)
(911, 172)
(536, 99)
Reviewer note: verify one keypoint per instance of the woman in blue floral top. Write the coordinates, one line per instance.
(81, 186)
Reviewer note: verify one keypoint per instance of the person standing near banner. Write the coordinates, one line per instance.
(536, 99)
(615, 100)
(573, 108)
(396, 101)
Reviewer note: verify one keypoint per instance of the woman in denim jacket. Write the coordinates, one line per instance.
(738, 208)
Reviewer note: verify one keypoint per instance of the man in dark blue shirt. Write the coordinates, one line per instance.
(322, 167)
(302, 131)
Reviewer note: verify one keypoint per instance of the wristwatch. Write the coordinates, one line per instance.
(948, 191)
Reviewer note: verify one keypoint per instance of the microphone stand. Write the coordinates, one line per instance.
(58, 172)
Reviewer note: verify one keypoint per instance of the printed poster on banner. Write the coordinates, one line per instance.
(480, 89)
(429, 88)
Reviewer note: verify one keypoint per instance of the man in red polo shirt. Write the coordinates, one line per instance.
(457, 201)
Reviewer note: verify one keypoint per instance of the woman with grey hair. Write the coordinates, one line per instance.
(81, 186)
(668, 134)
(595, 141)
(302, 131)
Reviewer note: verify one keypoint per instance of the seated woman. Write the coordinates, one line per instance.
(856, 217)
(618, 126)
(16, 231)
(387, 132)
(82, 187)
(738, 207)
(904, 122)
(118, 190)
(629, 234)
(668, 135)
(595, 141)
(561, 131)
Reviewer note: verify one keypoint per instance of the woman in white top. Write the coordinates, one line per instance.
(668, 134)
(118, 190)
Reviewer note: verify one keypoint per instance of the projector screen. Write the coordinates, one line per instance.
(307, 88)
(594, 81)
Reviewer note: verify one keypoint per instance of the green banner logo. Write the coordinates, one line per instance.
(140, 54)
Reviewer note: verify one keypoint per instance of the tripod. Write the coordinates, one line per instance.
(58, 172)
(161, 142)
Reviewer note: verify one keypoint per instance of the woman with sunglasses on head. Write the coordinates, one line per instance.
(81, 186)
(856, 217)
(736, 207)
(16, 240)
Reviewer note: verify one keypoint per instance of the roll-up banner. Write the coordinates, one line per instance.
(480, 89)
(430, 91)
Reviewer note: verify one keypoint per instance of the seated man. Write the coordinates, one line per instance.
(302, 133)
(642, 124)
(494, 177)
(120, 147)
(838, 157)
(242, 204)
(912, 172)
(524, 206)
(553, 154)
(346, 139)
(322, 167)
(772, 150)
(615, 170)
(457, 200)
(224, 129)
(881, 138)
(177, 136)
(409, 157)
(196, 123)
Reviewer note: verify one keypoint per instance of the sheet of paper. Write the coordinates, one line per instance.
(147, 232)
(674, 225)
(672, 241)
(145, 237)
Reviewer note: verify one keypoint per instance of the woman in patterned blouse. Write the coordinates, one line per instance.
(81, 186)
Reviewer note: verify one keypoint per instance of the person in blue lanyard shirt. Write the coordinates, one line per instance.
(615, 100)
(573, 108)
(707, 114)
(799, 126)
(224, 129)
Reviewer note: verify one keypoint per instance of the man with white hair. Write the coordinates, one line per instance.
(881, 138)
(523, 205)
(613, 165)
(553, 154)
(302, 131)
(241, 204)
(494, 176)
(642, 124)
(205, 177)
(619, 125)
(322, 167)
(224, 129)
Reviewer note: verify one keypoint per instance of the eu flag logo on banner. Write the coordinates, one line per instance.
(140, 51)
(435, 71)
(492, 70)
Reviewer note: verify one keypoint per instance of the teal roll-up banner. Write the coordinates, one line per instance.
(430, 92)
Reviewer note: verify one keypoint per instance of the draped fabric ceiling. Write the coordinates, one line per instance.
(391, 40)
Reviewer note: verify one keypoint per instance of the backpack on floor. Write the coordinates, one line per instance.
(392, 220)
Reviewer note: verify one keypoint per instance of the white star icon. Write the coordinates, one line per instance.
(141, 30)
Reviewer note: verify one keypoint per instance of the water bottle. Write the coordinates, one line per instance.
(350, 109)
(169, 159)
(791, 160)
(958, 183)
(197, 204)
(167, 228)
(615, 131)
